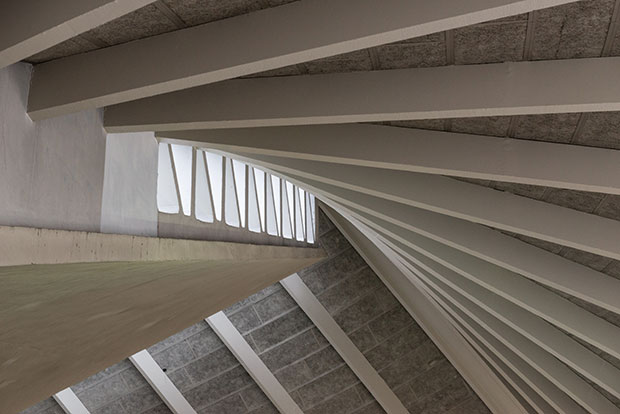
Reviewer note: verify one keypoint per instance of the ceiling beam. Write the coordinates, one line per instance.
(430, 317)
(29, 27)
(343, 345)
(61, 294)
(555, 371)
(478, 241)
(541, 385)
(252, 363)
(530, 322)
(69, 402)
(535, 389)
(463, 200)
(432, 152)
(159, 381)
(501, 89)
(252, 43)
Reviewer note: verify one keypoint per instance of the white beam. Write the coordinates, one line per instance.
(242, 45)
(160, 382)
(69, 402)
(463, 200)
(252, 363)
(530, 325)
(512, 88)
(555, 371)
(508, 285)
(29, 27)
(343, 345)
(543, 387)
(516, 372)
(475, 240)
(432, 152)
(429, 316)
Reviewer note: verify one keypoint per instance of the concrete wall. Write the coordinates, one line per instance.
(129, 204)
(51, 172)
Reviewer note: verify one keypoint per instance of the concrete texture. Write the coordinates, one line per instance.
(490, 43)
(574, 30)
(129, 202)
(412, 55)
(51, 172)
(380, 327)
(47, 406)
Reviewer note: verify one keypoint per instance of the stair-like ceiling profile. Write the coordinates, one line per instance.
(468, 150)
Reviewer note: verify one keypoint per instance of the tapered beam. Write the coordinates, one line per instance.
(579, 85)
(252, 363)
(477, 335)
(69, 402)
(516, 372)
(537, 390)
(532, 325)
(463, 200)
(64, 291)
(432, 152)
(512, 287)
(29, 27)
(555, 371)
(478, 241)
(421, 307)
(343, 345)
(242, 45)
(160, 382)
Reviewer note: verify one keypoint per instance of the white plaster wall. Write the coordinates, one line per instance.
(130, 185)
(51, 172)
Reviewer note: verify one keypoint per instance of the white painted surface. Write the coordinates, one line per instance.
(51, 172)
(70, 403)
(423, 151)
(429, 316)
(251, 43)
(502, 89)
(235, 342)
(129, 204)
(343, 345)
(160, 382)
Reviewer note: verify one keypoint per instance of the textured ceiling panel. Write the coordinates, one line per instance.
(432, 124)
(285, 71)
(348, 62)
(615, 50)
(490, 43)
(492, 125)
(194, 12)
(600, 129)
(412, 55)
(525, 190)
(574, 30)
(67, 48)
(577, 200)
(145, 22)
(551, 127)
